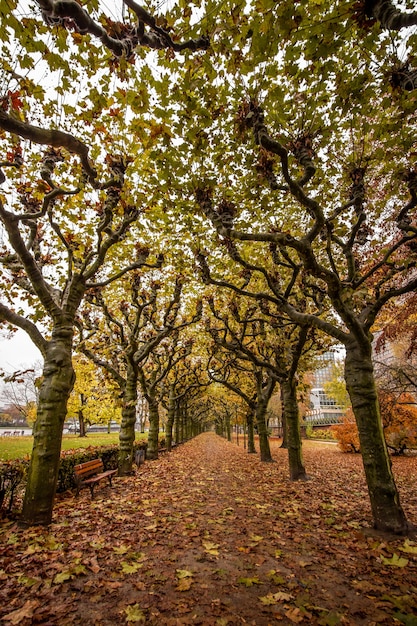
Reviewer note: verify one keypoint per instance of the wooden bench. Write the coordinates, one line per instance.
(90, 473)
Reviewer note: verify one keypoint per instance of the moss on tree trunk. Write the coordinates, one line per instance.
(292, 420)
(153, 435)
(251, 433)
(58, 381)
(264, 448)
(127, 427)
(170, 418)
(387, 512)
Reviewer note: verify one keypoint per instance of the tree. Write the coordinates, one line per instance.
(121, 332)
(335, 388)
(21, 391)
(91, 400)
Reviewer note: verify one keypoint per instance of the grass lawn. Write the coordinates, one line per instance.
(19, 447)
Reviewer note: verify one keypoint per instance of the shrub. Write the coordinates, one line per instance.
(347, 434)
(12, 478)
(399, 417)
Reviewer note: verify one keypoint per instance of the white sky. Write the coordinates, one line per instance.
(17, 352)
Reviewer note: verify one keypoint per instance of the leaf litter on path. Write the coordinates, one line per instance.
(209, 535)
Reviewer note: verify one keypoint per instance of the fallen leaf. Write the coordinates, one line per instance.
(130, 568)
(183, 573)
(295, 615)
(184, 584)
(395, 560)
(26, 611)
(248, 582)
(409, 547)
(211, 548)
(134, 613)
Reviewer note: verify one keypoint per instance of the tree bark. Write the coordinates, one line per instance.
(291, 418)
(58, 381)
(127, 427)
(251, 434)
(284, 443)
(153, 435)
(387, 512)
(260, 415)
(170, 418)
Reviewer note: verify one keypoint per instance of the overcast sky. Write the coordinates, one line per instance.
(17, 352)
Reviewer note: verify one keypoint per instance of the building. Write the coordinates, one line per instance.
(323, 411)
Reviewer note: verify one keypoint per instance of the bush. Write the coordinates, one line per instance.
(12, 478)
(347, 434)
(399, 420)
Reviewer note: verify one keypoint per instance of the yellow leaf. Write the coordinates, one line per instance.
(395, 560)
(183, 573)
(62, 577)
(248, 582)
(130, 568)
(121, 549)
(211, 548)
(409, 547)
(184, 584)
(134, 613)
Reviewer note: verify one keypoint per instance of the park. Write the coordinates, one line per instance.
(208, 534)
(200, 202)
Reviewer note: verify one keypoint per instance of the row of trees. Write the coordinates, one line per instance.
(272, 141)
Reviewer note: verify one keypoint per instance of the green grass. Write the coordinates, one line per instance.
(20, 447)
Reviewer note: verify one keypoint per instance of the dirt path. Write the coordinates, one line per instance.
(209, 535)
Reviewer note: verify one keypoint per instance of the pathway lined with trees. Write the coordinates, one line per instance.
(209, 534)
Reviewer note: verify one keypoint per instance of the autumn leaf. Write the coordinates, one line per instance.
(395, 560)
(295, 615)
(26, 612)
(248, 582)
(409, 547)
(183, 573)
(123, 549)
(274, 598)
(184, 584)
(134, 613)
(211, 548)
(130, 568)
(62, 577)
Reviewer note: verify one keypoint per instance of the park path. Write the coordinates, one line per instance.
(209, 535)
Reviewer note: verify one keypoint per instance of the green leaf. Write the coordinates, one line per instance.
(409, 547)
(248, 582)
(62, 577)
(183, 573)
(130, 568)
(395, 560)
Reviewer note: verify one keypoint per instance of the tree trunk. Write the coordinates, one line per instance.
(251, 434)
(58, 381)
(127, 426)
(284, 443)
(170, 418)
(291, 417)
(153, 435)
(385, 503)
(81, 420)
(264, 448)
(228, 429)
